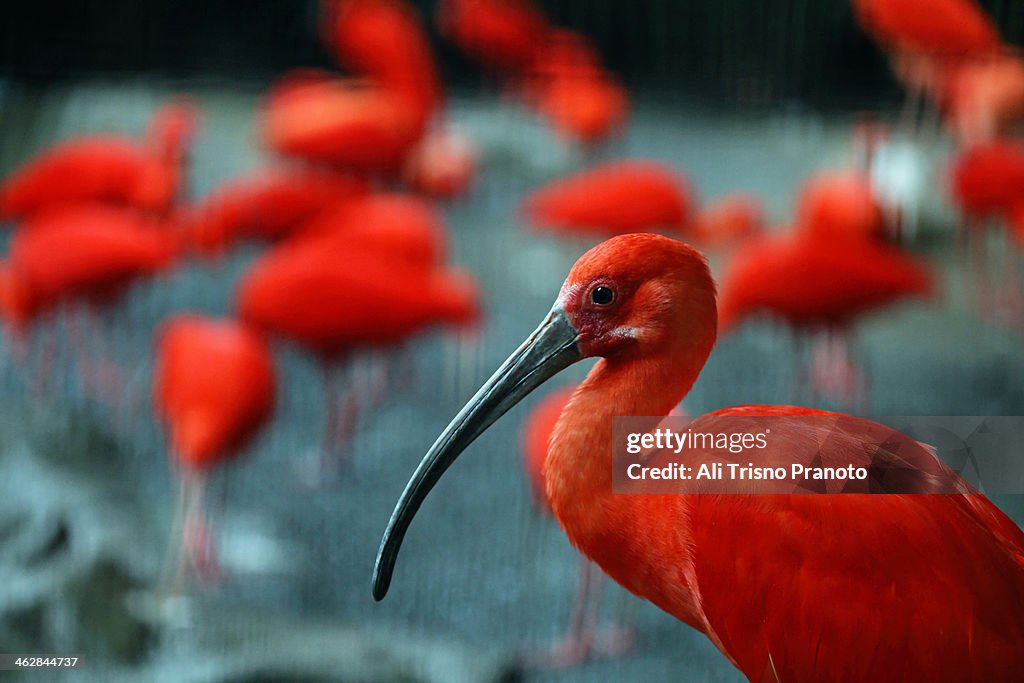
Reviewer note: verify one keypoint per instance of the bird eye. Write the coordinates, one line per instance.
(601, 295)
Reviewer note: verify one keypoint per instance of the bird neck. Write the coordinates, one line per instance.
(627, 535)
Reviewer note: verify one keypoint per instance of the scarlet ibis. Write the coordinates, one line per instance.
(567, 84)
(407, 230)
(840, 205)
(385, 41)
(863, 587)
(333, 297)
(85, 253)
(111, 168)
(267, 205)
(728, 219)
(361, 126)
(442, 164)
(818, 284)
(988, 186)
(503, 35)
(214, 390)
(924, 37)
(617, 197)
(983, 99)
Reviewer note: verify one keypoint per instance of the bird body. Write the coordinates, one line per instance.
(359, 126)
(988, 179)
(844, 587)
(840, 205)
(442, 164)
(503, 35)
(108, 168)
(334, 300)
(941, 28)
(214, 387)
(267, 205)
(618, 197)
(89, 252)
(404, 229)
(809, 281)
(385, 41)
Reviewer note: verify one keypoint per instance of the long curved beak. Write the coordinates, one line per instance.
(550, 349)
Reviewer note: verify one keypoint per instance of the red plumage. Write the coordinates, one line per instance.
(333, 300)
(988, 179)
(146, 174)
(810, 281)
(360, 126)
(267, 205)
(214, 387)
(89, 252)
(385, 41)
(941, 28)
(618, 197)
(503, 35)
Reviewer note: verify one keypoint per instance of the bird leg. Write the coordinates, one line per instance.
(833, 371)
(619, 638)
(190, 546)
(577, 645)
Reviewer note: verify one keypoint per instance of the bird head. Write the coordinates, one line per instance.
(633, 297)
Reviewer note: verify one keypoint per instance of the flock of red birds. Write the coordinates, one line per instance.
(356, 248)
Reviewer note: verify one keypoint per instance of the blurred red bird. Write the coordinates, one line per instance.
(359, 126)
(988, 180)
(88, 252)
(267, 205)
(503, 35)
(617, 197)
(848, 587)
(568, 85)
(840, 205)
(336, 300)
(983, 99)
(404, 229)
(386, 42)
(935, 28)
(214, 389)
(147, 174)
(811, 282)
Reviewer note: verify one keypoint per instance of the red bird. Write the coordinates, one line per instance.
(934, 28)
(988, 180)
(333, 296)
(820, 285)
(406, 230)
(618, 197)
(146, 174)
(503, 35)
(359, 126)
(846, 587)
(386, 42)
(214, 389)
(983, 99)
(88, 252)
(811, 282)
(568, 85)
(268, 205)
(840, 205)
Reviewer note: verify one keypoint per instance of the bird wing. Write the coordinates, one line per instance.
(862, 587)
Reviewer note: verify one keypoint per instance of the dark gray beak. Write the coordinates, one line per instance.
(550, 349)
